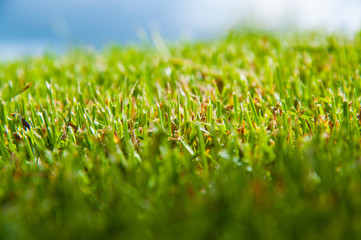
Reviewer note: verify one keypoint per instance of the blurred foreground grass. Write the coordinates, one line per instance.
(252, 136)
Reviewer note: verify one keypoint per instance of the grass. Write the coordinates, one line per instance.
(251, 136)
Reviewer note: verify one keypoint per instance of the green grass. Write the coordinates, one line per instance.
(251, 136)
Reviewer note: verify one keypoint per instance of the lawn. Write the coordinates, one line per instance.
(253, 135)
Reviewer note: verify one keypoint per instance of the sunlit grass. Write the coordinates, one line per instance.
(252, 136)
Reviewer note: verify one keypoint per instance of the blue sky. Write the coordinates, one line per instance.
(30, 26)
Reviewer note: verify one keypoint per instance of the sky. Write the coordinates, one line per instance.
(29, 27)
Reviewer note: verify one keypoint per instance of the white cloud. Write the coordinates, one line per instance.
(213, 15)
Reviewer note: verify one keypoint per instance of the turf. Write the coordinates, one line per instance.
(251, 136)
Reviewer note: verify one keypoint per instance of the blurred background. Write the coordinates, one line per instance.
(30, 27)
